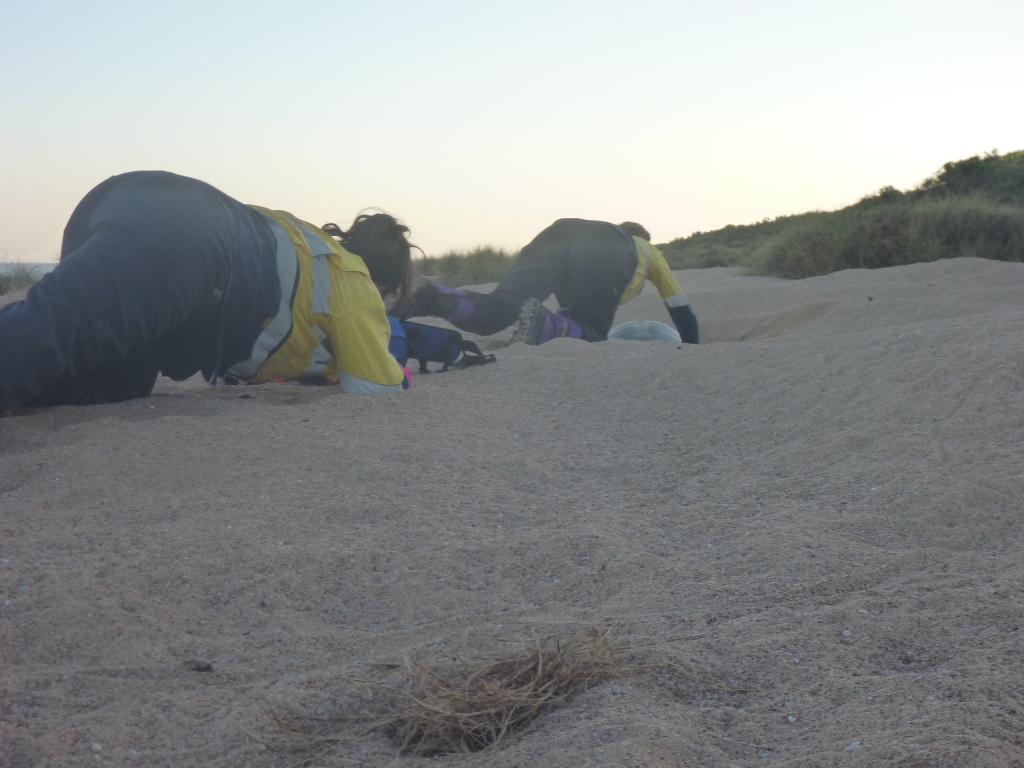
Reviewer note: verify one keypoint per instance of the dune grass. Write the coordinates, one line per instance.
(731, 246)
(483, 264)
(15, 275)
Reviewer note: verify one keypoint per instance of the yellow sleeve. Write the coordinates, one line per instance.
(359, 331)
(662, 276)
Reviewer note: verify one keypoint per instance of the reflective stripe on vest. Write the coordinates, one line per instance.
(643, 268)
(321, 302)
(646, 267)
(280, 327)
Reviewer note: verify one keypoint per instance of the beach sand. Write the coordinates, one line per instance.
(807, 532)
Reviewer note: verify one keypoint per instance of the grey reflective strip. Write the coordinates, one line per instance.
(321, 357)
(278, 330)
(647, 256)
(316, 244)
(354, 385)
(321, 272)
(679, 300)
(321, 285)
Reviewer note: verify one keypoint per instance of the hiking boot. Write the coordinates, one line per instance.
(538, 324)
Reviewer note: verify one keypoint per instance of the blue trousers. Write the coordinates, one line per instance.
(158, 273)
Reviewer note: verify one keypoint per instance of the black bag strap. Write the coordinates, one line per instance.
(473, 355)
(467, 353)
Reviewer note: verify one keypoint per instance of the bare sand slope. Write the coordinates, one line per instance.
(819, 512)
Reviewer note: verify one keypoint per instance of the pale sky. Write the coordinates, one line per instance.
(482, 122)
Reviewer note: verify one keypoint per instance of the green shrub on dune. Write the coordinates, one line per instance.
(972, 207)
(905, 232)
(995, 176)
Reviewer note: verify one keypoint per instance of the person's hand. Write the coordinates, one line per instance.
(407, 381)
(420, 302)
(686, 323)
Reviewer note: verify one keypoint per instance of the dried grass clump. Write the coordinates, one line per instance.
(441, 716)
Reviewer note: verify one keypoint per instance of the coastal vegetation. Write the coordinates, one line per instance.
(972, 207)
(483, 264)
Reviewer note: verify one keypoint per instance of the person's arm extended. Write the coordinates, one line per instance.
(359, 343)
(676, 303)
(685, 320)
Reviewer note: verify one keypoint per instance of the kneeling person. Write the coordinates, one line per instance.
(161, 273)
(591, 267)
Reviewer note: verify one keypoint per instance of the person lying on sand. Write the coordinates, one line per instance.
(160, 273)
(591, 267)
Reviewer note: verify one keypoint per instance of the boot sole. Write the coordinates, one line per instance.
(528, 316)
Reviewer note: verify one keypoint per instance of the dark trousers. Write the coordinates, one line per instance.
(146, 266)
(584, 264)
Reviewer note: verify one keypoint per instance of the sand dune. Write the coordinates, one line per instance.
(818, 511)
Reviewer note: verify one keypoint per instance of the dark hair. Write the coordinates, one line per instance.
(636, 230)
(382, 242)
